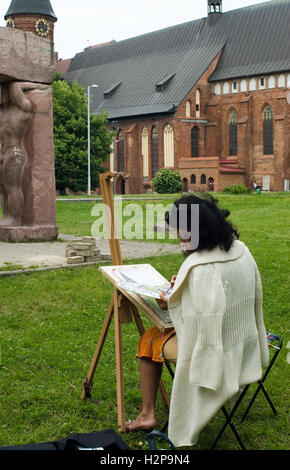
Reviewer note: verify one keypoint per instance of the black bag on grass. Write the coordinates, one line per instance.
(102, 440)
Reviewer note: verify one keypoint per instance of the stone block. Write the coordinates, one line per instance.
(90, 259)
(72, 242)
(25, 57)
(84, 246)
(106, 257)
(85, 252)
(89, 240)
(71, 253)
(75, 259)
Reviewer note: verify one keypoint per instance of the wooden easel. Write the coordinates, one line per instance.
(120, 308)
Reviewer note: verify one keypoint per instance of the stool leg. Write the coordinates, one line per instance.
(269, 400)
(260, 387)
(233, 428)
(251, 402)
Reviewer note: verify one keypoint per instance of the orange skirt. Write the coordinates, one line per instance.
(152, 342)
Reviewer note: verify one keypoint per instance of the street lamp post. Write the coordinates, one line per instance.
(89, 137)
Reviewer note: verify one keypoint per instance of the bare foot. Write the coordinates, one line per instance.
(141, 423)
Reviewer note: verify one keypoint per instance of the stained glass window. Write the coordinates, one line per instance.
(268, 131)
(145, 153)
(121, 160)
(233, 134)
(155, 152)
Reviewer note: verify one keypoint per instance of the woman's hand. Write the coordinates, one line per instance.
(163, 301)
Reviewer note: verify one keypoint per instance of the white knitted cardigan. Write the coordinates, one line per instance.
(216, 310)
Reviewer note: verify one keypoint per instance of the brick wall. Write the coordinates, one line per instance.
(249, 107)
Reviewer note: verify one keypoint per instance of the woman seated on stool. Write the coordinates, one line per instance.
(216, 310)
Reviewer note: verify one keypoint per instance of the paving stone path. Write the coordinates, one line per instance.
(50, 254)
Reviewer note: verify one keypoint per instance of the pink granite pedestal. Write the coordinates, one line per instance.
(28, 234)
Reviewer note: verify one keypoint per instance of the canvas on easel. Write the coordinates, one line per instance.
(124, 307)
(145, 303)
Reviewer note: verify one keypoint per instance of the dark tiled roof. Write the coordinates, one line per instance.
(253, 40)
(42, 7)
(258, 41)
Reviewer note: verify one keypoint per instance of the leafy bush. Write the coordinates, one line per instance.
(167, 181)
(237, 189)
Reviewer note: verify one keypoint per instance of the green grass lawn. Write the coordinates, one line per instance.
(251, 212)
(50, 323)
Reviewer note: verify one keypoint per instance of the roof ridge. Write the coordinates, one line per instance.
(168, 28)
(140, 36)
(250, 40)
(257, 5)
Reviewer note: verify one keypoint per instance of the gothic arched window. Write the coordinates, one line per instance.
(121, 159)
(195, 141)
(155, 151)
(188, 108)
(253, 84)
(217, 89)
(203, 179)
(112, 158)
(197, 104)
(193, 179)
(226, 88)
(233, 134)
(168, 146)
(271, 82)
(281, 81)
(268, 131)
(145, 153)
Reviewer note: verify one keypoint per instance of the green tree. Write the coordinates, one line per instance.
(71, 140)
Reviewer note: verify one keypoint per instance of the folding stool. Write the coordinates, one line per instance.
(229, 415)
(271, 338)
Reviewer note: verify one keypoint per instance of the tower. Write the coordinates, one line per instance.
(214, 6)
(35, 16)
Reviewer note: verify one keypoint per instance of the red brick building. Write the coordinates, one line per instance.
(210, 97)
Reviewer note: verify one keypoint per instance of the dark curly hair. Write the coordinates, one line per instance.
(214, 229)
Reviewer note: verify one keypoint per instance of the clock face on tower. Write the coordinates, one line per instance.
(42, 27)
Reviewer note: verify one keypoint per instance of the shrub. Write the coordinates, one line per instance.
(167, 181)
(237, 189)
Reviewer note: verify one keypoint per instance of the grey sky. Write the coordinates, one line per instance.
(89, 22)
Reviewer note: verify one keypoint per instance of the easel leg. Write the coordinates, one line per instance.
(95, 360)
(119, 365)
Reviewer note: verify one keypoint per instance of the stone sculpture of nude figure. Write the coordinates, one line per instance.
(14, 122)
